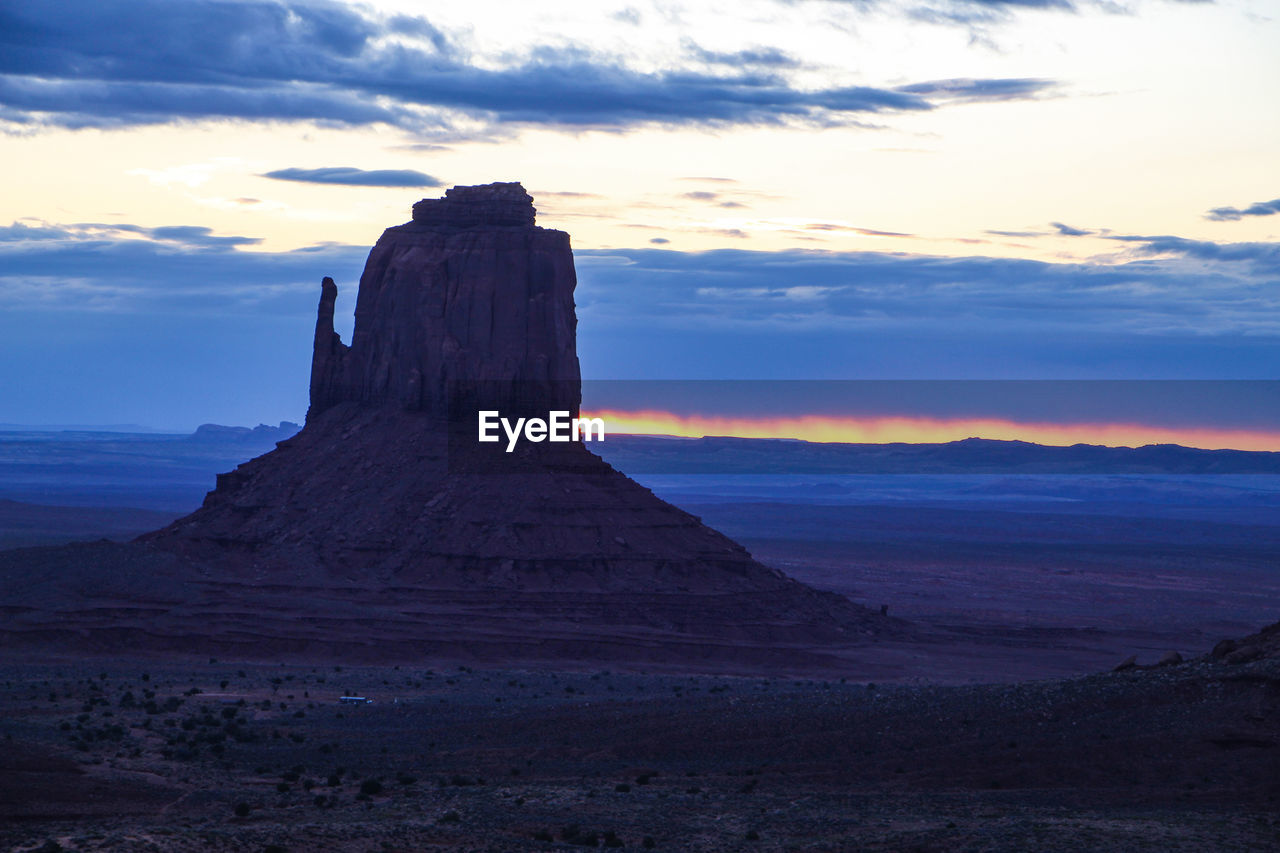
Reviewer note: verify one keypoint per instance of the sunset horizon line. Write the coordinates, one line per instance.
(821, 429)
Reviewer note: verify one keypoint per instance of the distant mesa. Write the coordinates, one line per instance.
(371, 536)
(244, 435)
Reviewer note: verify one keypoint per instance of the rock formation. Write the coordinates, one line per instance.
(470, 299)
(371, 530)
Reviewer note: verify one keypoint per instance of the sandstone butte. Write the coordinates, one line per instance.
(380, 532)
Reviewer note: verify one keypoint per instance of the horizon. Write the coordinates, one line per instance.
(766, 431)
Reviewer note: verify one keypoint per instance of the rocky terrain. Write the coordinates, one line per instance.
(229, 756)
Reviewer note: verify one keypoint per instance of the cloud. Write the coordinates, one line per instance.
(1232, 214)
(563, 194)
(1262, 257)
(1171, 285)
(182, 236)
(868, 232)
(769, 57)
(970, 89)
(178, 269)
(894, 315)
(921, 294)
(352, 177)
(88, 63)
(1068, 231)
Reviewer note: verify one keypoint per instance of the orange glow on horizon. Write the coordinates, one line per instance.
(925, 430)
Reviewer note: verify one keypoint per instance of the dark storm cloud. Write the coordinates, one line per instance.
(78, 63)
(352, 177)
(1232, 214)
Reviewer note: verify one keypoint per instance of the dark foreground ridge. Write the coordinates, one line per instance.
(370, 536)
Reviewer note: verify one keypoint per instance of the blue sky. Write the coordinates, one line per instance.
(781, 189)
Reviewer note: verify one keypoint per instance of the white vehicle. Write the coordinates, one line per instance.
(354, 700)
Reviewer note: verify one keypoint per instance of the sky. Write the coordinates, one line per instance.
(759, 189)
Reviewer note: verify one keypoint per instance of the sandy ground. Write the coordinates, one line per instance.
(225, 756)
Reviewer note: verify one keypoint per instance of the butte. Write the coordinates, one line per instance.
(382, 531)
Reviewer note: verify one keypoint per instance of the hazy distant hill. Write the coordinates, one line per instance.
(722, 455)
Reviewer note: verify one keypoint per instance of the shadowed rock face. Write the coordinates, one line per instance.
(468, 304)
(372, 533)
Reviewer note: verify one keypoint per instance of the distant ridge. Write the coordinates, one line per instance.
(636, 454)
(121, 428)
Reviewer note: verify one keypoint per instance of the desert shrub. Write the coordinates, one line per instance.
(450, 817)
(371, 787)
(242, 809)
